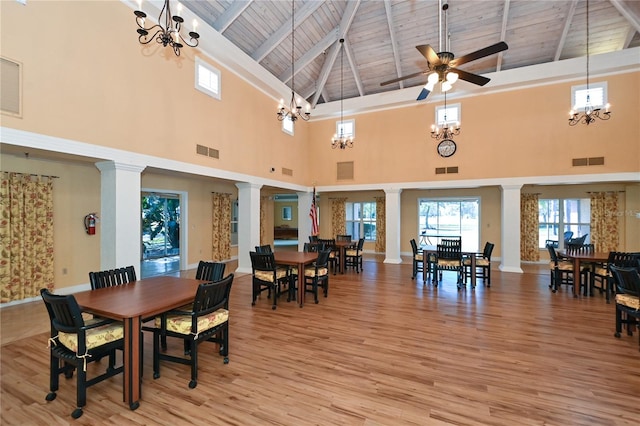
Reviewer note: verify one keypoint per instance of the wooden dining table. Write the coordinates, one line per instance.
(130, 303)
(342, 250)
(300, 259)
(577, 257)
(433, 250)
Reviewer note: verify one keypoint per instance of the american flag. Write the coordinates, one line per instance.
(313, 214)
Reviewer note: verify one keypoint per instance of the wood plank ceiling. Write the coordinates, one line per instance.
(380, 37)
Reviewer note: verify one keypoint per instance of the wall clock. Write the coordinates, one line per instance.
(446, 148)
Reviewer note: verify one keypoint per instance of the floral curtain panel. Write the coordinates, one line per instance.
(381, 230)
(338, 213)
(529, 234)
(26, 235)
(221, 227)
(604, 221)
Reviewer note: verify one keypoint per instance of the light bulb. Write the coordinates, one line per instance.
(429, 86)
(452, 77)
(433, 78)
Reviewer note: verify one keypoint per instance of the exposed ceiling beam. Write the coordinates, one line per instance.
(310, 55)
(631, 32)
(565, 30)
(329, 60)
(629, 14)
(281, 33)
(394, 43)
(354, 68)
(230, 15)
(503, 31)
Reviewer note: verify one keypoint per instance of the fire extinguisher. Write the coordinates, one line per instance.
(90, 223)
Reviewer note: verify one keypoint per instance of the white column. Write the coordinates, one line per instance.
(510, 238)
(304, 220)
(120, 213)
(392, 223)
(248, 223)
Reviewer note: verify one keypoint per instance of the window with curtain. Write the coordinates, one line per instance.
(557, 216)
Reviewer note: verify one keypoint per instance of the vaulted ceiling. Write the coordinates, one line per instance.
(381, 35)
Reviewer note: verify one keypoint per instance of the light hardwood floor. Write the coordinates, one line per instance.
(380, 350)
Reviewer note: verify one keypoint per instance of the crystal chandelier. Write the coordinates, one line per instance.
(294, 110)
(590, 113)
(448, 130)
(169, 34)
(341, 141)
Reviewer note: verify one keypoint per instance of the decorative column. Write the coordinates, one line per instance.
(120, 212)
(248, 223)
(510, 233)
(392, 211)
(304, 220)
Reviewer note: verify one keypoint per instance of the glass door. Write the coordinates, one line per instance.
(160, 234)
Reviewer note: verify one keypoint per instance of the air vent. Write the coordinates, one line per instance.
(209, 152)
(596, 161)
(591, 161)
(10, 87)
(287, 172)
(446, 170)
(345, 170)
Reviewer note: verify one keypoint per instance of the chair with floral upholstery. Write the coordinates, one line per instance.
(206, 320)
(75, 343)
(417, 258)
(210, 271)
(627, 282)
(561, 271)
(353, 256)
(267, 276)
(317, 275)
(449, 258)
(483, 264)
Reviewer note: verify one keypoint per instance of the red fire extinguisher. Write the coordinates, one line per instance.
(90, 223)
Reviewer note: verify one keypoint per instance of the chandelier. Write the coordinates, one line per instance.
(294, 110)
(341, 141)
(590, 114)
(169, 34)
(447, 131)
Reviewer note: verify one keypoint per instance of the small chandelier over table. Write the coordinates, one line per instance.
(590, 114)
(447, 131)
(294, 110)
(341, 141)
(169, 34)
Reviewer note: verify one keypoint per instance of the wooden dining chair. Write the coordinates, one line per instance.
(417, 258)
(449, 258)
(206, 320)
(74, 343)
(317, 275)
(112, 277)
(627, 283)
(268, 276)
(210, 271)
(483, 264)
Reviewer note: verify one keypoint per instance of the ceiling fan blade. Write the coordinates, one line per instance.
(490, 50)
(427, 51)
(395, 80)
(471, 78)
(423, 94)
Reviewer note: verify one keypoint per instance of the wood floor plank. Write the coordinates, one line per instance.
(382, 349)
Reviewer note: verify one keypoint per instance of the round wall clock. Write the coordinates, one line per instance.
(446, 148)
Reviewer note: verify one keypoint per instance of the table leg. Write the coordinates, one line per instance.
(301, 284)
(576, 277)
(132, 389)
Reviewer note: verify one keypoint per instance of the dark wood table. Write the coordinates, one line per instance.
(130, 303)
(299, 259)
(426, 251)
(578, 257)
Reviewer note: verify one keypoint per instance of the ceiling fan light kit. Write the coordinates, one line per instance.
(442, 66)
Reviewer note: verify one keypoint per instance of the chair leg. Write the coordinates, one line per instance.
(193, 345)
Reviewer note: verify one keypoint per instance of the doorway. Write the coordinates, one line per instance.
(160, 238)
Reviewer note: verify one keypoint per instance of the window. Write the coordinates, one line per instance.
(597, 96)
(450, 115)
(287, 125)
(361, 220)
(207, 79)
(347, 127)
(234, 222)
(572, 215)
(439, 218)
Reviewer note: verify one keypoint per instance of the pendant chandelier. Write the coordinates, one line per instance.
(589, 114)
(169, 34)
(294, 110)
(447, 131)
(340, 140)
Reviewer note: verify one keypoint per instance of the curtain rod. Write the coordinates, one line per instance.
(33, 174)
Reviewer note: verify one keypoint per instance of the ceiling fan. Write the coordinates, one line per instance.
(443, 66)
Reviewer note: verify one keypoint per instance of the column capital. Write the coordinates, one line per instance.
(393, 190)
(105, 166)
(248, 185)
(511, 187)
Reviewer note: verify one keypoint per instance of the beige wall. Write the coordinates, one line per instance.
(277, 214)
